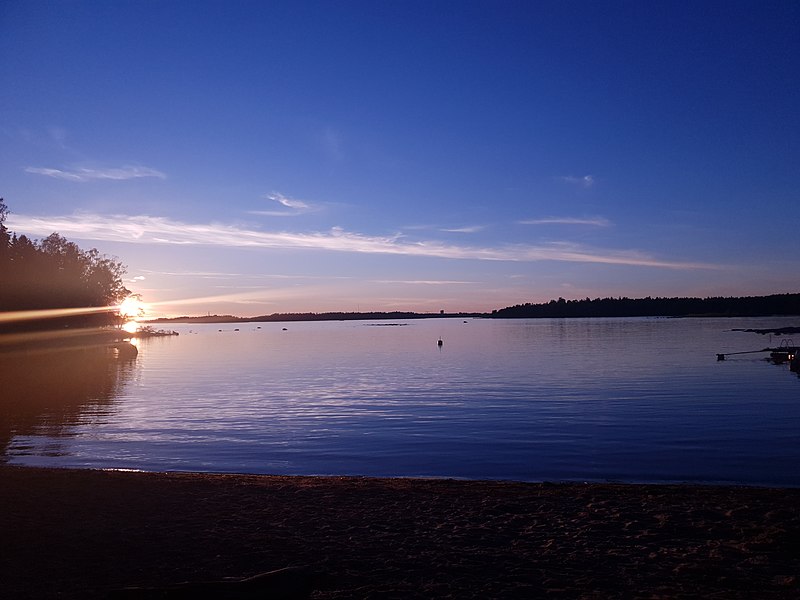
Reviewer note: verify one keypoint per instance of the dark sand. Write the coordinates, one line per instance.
(82, 534)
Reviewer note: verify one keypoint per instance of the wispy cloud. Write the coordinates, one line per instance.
(295, 207)
(423, 282)
(84, 175)
(464, 229)
(289, 202)
(263, 296)
(159, 230)
(467, 229)
(242, 276)
(586, 181)
(594, 221)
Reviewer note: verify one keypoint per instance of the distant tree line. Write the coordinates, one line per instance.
(311, 316)
(55, 273)
(776, 304)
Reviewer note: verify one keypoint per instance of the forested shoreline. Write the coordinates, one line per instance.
(748, 306)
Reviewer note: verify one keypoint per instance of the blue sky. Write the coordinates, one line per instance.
(260, 157)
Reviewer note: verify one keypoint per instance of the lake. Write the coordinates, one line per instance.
(635, 400)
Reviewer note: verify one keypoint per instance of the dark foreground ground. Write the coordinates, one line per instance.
(89, 534)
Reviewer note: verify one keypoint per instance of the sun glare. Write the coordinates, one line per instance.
(131, 308)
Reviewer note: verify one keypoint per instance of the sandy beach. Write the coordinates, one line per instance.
(92, 534)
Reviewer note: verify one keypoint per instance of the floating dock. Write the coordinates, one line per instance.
(786, 352)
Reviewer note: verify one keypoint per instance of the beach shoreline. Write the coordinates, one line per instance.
(86, 534)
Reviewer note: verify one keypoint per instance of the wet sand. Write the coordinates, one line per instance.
(88, 534)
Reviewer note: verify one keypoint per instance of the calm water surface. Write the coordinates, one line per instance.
(593, 399)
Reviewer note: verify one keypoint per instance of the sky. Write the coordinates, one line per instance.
(250, 158)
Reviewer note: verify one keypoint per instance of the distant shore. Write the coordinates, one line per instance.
(750, 306)
(84, 534)
(327, 316)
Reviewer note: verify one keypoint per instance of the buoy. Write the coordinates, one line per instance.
(440, 342)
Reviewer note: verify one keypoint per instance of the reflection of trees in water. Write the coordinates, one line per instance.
(44, 391)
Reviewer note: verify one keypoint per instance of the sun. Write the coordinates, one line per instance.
(132, 308)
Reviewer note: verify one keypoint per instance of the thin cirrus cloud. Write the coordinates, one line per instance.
(424, 282)
(84, 175)
(467, 229)
(586, 181)
(144, 229)
(464, 229)
(241, 276)
(594, 221)
(293, 207)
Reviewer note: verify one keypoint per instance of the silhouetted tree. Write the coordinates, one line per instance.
(56, 273)
(5, 236)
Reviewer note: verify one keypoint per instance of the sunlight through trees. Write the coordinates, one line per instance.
(54, 273)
